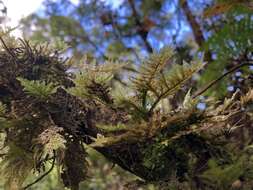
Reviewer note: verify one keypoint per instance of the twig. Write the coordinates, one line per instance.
(201, 91)
(138, 22)
(7, 49)
(85, 38)
(119, 36)
(196, 28)
(41, 177)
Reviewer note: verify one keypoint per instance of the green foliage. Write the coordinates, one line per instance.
(228, 46)
(131, 128)
(153, 82)
(151, 68)
(103, 176)
(64, 24)
(15, 167)
(157, 78)
(84, 80)
(223, 176)
(166, 160)
(39, 89)
(93, 81)
(146, 122)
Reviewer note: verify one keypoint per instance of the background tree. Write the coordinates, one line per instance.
(153, 129)
(131, 30)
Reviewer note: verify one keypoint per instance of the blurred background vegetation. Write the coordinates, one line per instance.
(129, 30)
(103, 176)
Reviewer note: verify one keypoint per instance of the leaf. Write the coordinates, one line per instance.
(93, 81)
(150, 69)
(178, 75)
(88, 86)
(39, 89)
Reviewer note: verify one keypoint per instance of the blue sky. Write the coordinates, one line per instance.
(17, 9)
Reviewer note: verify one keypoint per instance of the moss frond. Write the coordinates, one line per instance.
(39, 89)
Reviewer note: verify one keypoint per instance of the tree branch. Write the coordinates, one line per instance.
(41, 177)
(196, 28)
(215, 81)
(143, 33)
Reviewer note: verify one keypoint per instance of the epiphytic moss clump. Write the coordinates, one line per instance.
(47, 113)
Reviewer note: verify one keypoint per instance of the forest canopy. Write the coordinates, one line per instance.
(162, 89)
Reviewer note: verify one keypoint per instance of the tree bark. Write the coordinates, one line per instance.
(196, 28)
